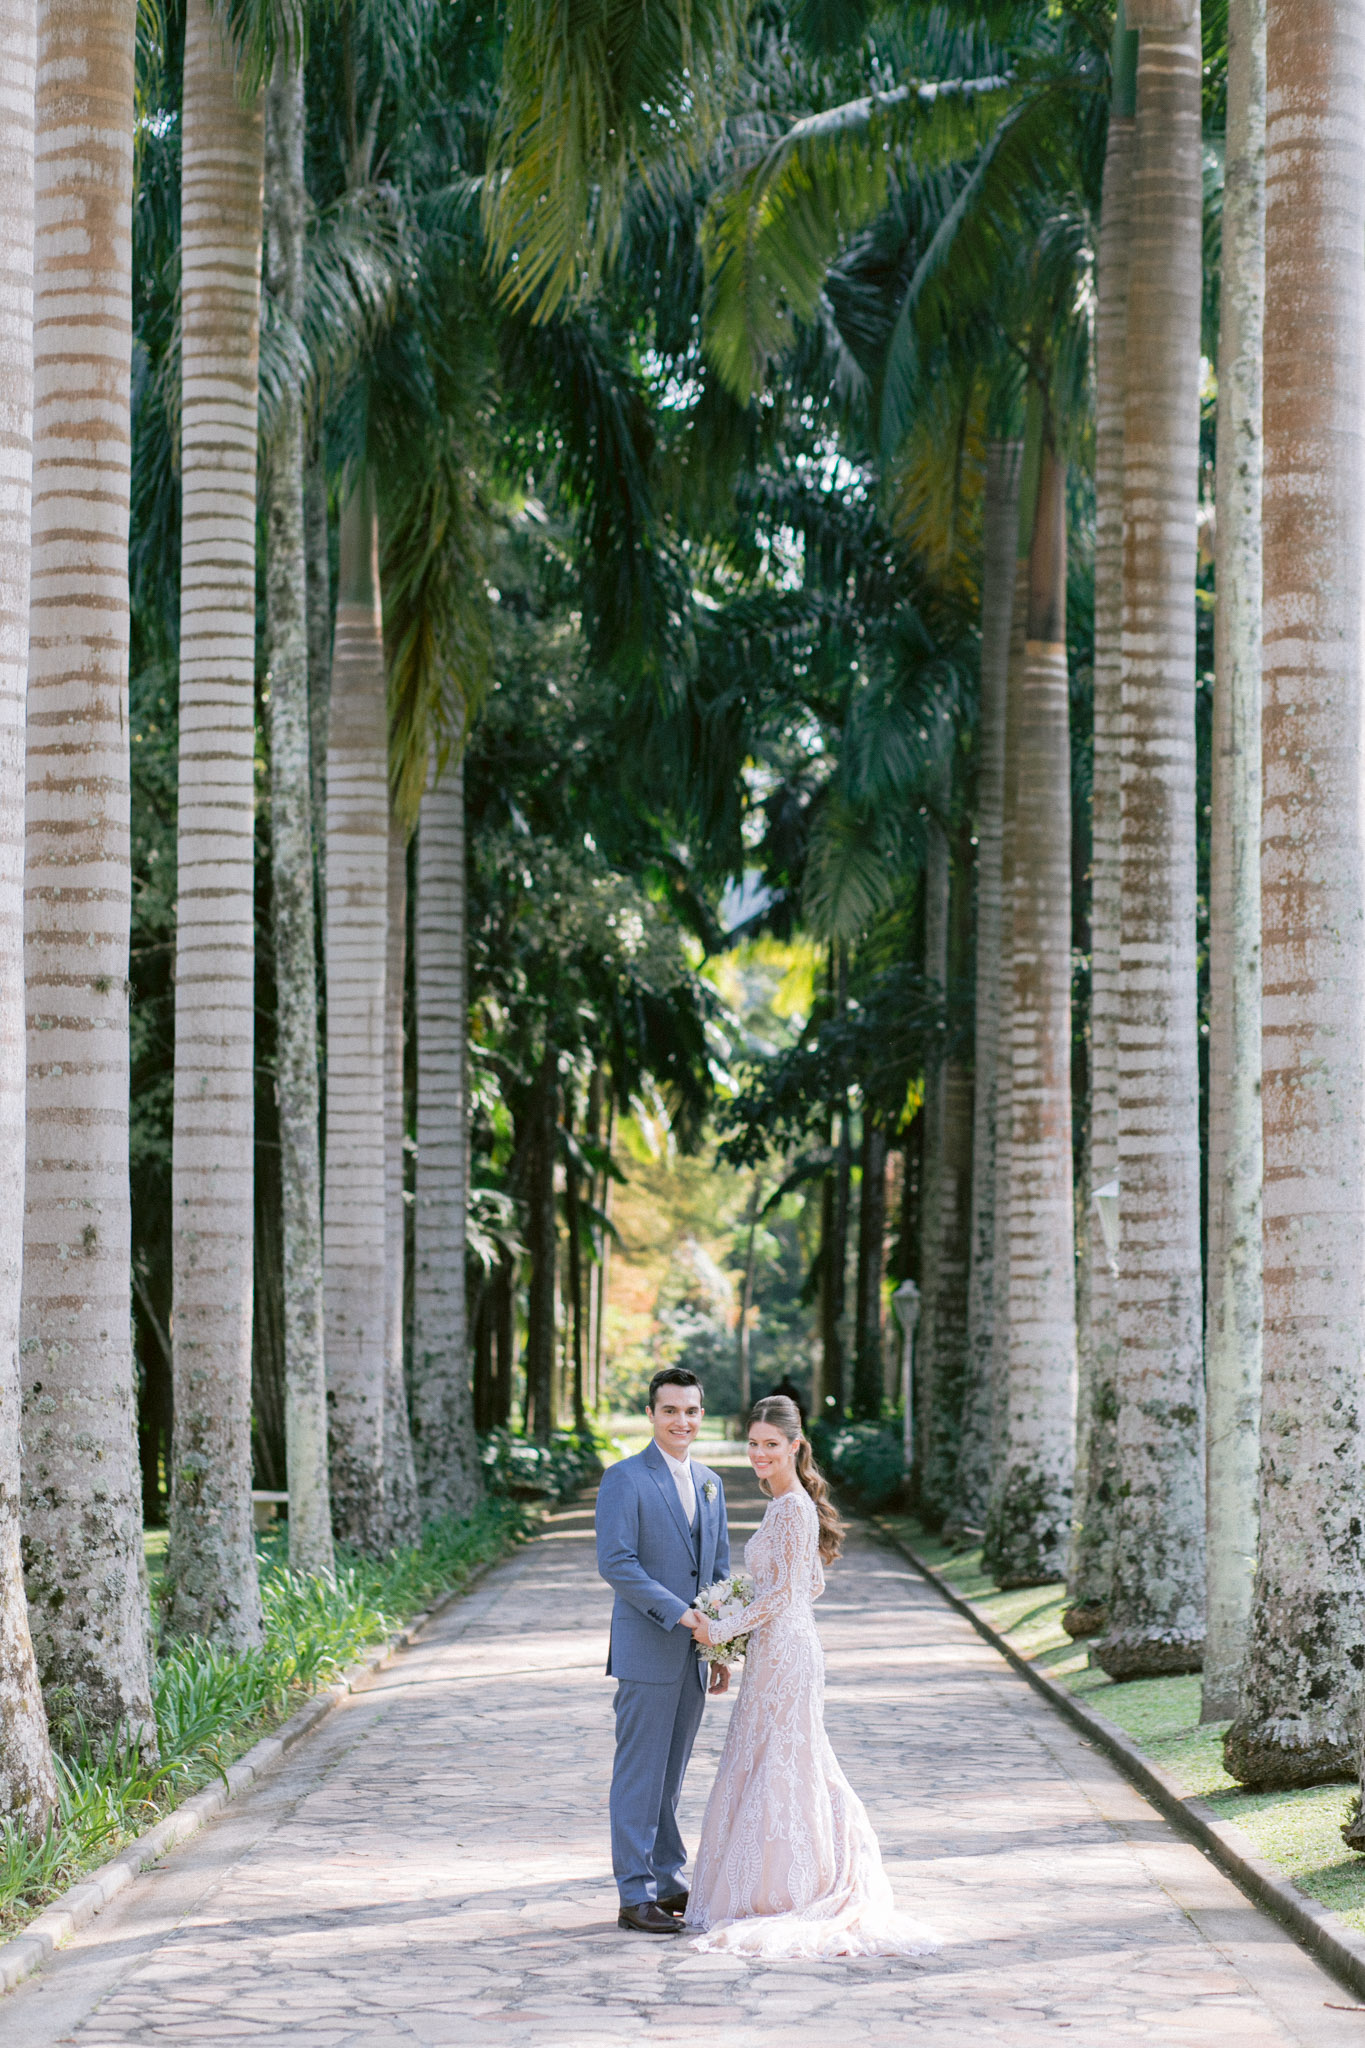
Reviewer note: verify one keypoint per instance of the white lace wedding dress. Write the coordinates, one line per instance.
(788, 1863)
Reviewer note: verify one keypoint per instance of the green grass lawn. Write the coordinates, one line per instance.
(1299, 1832)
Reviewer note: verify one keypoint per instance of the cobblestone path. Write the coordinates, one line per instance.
(433, 1867)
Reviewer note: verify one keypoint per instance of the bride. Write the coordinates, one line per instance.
(788, 1863)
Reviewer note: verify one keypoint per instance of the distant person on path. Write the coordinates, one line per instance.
(788, 1864)
(787, 1389)
(661, 1535)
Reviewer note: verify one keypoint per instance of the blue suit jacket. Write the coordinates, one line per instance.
(648, 1556)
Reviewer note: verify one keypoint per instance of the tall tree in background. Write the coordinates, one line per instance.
(82, 1489)
(211, 1560)
(448, 1471)
(1233, 1336)
(1092, 1548)
(1301, 1688)
(1156, 1608)
(1000, 540)
(400, 1475)
(1030, 1514)
(293, 908)
(28, 1791)
(357, 917)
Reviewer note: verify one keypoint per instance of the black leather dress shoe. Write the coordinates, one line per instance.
(647, 1918)
(676, 1902)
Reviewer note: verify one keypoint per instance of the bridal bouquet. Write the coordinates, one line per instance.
(722, 1604)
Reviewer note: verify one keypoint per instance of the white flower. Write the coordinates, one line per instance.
(710, 1489)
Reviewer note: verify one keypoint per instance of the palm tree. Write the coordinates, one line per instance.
(28, 1789)
(1030, 1514)
(400, 1475)
(357, 916)
(82, 1489)
(448, 1473)
(1296, 1724)
(291, 852)
(1000, 526)
(1091, 1551)
(1233, 1335)
(211, 1559)
(1156, 1606)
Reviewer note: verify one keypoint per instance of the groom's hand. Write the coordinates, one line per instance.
(719, 1679)
(691, 1620)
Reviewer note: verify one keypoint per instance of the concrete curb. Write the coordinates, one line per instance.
(27, 1952)
(1322, 1932)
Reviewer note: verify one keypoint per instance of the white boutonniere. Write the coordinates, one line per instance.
(710, 1489)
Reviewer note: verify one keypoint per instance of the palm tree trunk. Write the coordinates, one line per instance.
(573, 1226)
(400, 1470)
(504, 1339)
(319, 641)
(541, 1246)
(746, 1293)
(28, 1792)
(449, 1474)
(936, 886)
(1233, 1333)
(1030, 1514)
(211, 1560)
(972, 1487)
(867, 1357)
(357, 917)
(1156, 1607)
(82, 1486)
(291, 870)
(1301, 1688)
(1092, 1546)
(1004, 1081)
(604, 1266)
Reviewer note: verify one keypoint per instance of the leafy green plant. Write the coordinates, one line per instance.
(865, 1460)
(521, 1470)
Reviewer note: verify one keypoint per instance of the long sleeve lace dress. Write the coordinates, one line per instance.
(788, 1863)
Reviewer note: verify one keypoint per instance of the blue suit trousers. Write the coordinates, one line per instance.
(647, 1853)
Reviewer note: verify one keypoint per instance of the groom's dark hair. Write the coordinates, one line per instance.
(673, 1376)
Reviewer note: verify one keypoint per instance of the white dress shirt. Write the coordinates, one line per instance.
(681, 1469)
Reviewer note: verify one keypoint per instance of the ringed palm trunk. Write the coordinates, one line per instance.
(82, 1485)
(972, 1487)
(291, 845)
(542, 1250)
(1029, 1526)
(1004, 1081)
(400, 1474)
(1156, 1606)
(357, 918)
(211, 1561)
(1092, 1547)
(28, 1792)
(449, 1475)
(1233, 1315)
(1301, 1687)
(868, 1370)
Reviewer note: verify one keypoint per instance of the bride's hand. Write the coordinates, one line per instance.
(701, 1633)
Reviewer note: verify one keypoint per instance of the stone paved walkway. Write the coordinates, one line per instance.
(433, 1867)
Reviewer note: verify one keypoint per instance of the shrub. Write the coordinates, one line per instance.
(516, 1468)
(865, 1460)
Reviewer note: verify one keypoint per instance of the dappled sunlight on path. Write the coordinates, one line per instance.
(433, 1868)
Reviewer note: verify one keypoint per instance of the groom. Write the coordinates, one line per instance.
(661, 1535)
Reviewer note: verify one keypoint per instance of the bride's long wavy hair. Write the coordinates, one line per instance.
(784, 1414)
